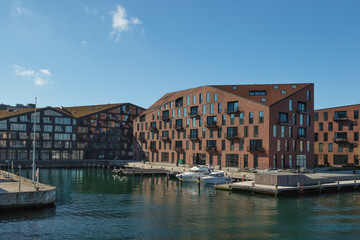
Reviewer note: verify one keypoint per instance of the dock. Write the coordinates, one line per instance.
(322, 183)
(141, 171)
(20, 192)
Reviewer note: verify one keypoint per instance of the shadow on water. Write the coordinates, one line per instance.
(24, 214)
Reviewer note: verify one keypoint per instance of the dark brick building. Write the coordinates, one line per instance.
(337, 136)
(242, 126)
(84, 132)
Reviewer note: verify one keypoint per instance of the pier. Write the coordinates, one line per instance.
(19, 192)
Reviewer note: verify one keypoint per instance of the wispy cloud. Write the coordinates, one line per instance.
(120, 23)
(90, 10)
(40, 78)
(21, 11)
(83, 42)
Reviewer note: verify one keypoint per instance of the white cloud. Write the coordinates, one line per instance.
(41, 77)
(84, 42)
(120, 23)
(18, 10)
(90, 10)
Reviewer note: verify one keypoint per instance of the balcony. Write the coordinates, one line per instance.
(341, 118)
(165, 138)
(142, 138)
(211, 148)
(255, 149)
(165, 118)
(178, 126)
(232, 110)
(302, 110)
(194, 114)
(282, 122)
(301, 136)
(193, 137)
(231, 135)
(153, 129)
(211, 124)
(340, 140)
(178, 148)
(152, 147)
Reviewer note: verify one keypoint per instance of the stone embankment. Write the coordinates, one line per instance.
(19, 192)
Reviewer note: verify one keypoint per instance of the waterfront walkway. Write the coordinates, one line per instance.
(235, 173)
(25, 194)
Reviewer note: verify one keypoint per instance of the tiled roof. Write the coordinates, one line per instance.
(272, 95)
(75, 112)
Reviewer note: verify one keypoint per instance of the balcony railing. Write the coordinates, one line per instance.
(232, 110)
(178, 148)
(230, 135)
(343, 118)
(165, 138)
(340, 139)
(211, 148)
(193, 136)
(281, 122)
(178, 126)
(194, 114)
(153, 128)
(301, 136)
(211, 124)
(255, 149)
(302, 110)
(165, 118)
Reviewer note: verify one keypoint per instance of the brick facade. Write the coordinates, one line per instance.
(237, 134)
(337, 136)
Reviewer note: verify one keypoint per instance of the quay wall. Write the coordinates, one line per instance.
(27, 199)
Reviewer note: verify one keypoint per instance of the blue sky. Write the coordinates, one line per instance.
(80, 52)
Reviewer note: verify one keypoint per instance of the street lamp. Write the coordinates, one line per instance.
(19, 177)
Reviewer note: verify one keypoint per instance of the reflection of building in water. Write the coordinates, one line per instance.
(184, 208)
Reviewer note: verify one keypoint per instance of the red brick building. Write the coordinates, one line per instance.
(337, 136)
(242, 126)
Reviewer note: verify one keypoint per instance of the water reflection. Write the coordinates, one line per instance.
(94, 204)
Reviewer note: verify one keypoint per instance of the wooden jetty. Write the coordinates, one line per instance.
(141, 171)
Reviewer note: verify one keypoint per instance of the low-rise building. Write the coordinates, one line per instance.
(82, 132)
(336, 139)
(242, 126)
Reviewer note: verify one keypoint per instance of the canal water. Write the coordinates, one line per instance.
(94, 204)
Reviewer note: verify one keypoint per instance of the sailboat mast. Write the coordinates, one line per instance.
(33, 164)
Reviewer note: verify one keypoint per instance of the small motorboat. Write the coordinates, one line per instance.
(195, 173)
(217, 178)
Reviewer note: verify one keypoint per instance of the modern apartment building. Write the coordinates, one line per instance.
(242, 126)
(83, 132)
(337, 136)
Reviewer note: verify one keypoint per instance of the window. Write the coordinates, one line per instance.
(290, 105)
(316, 137)
(232, 107)
(208, 97)
(246, 157)
(301, 119)
(211, 108)
(232, 160)
(219, 107)
(274, 131)
(241, 144)
(263, 99)
(204, 109)
(325, 116)
(278, 147)
(200, 98)
(242, 118)
(261, 117)
(188, 100)
(282, 131)
(316, 117)
(340, 115)
(283, 118)
(308, 95)
(294, 119)
(232, 119)
(320, 126)
(325, 137)
(293, 86)
(356, 136)
(276, 86)
(246, 131)
(215, 97)
(307, 120)
(302, 107)
(223, 120)
(194, 99)
(356, 114)
(330, 126)
(251, 117)
(234, 87)
(283, 92)
(351, 125)
(257, 93)
(301, 132)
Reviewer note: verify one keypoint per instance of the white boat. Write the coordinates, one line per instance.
(217, 178)
(195, 173)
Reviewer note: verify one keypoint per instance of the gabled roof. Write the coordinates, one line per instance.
(272, 95)
(76, 112)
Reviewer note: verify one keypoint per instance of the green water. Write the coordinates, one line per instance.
(93, 204)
